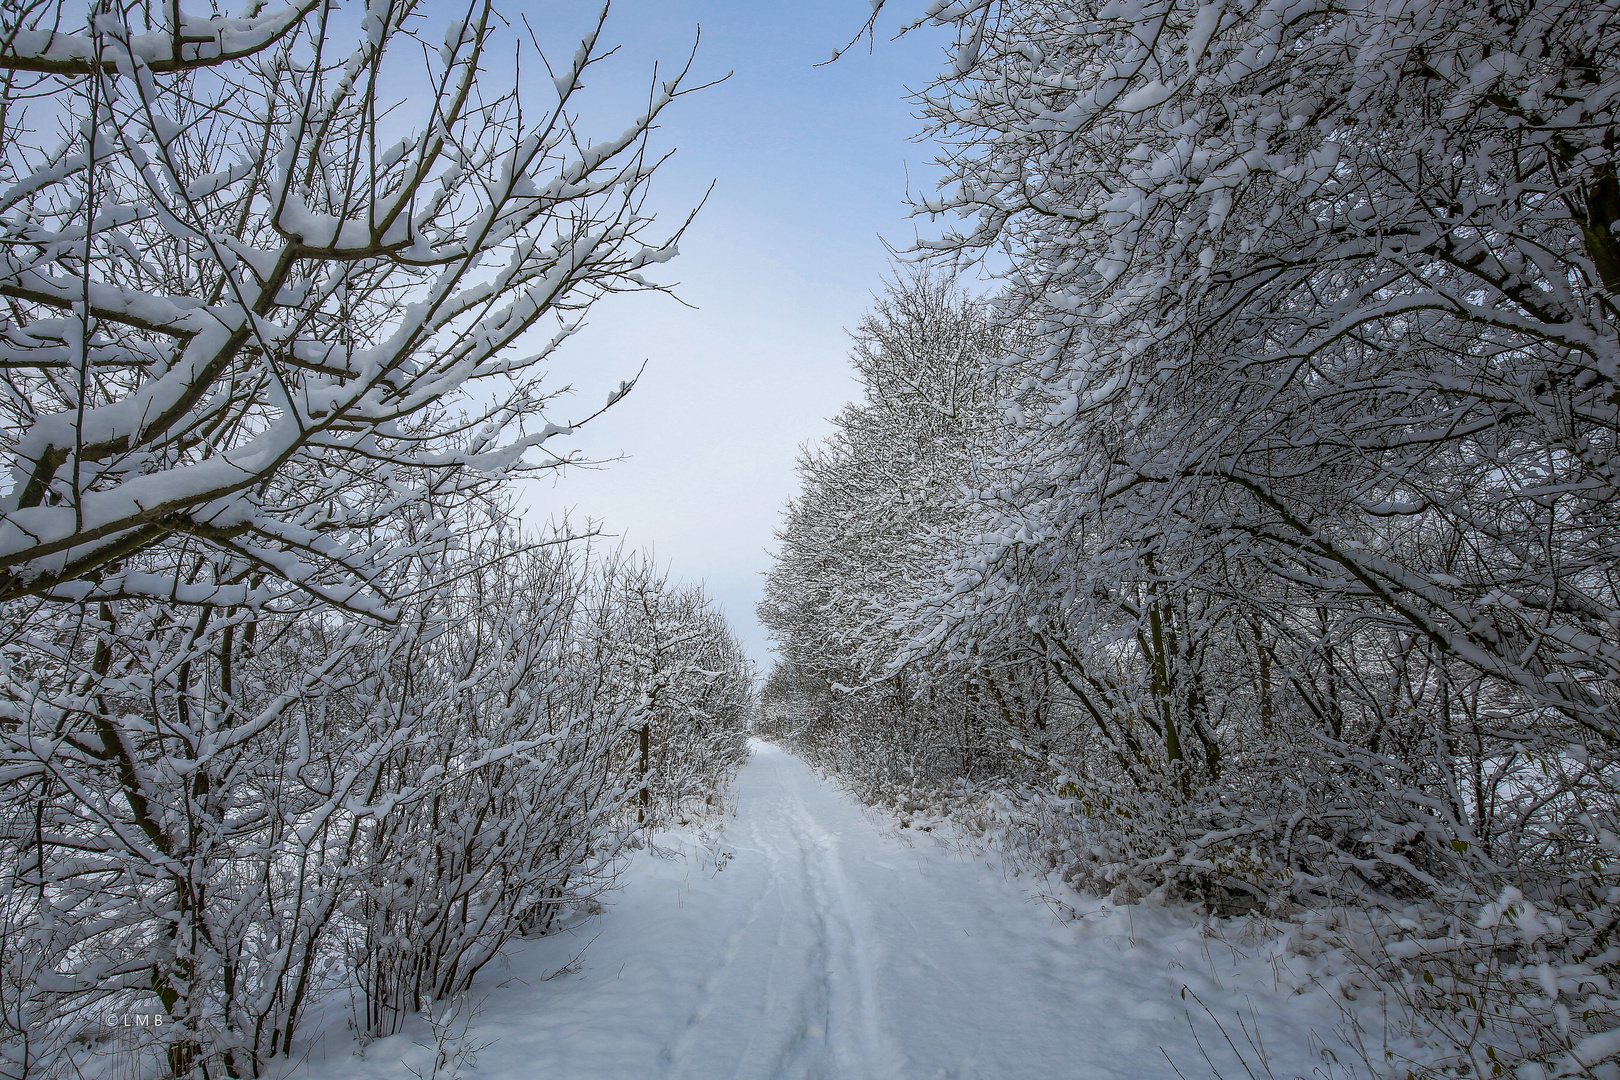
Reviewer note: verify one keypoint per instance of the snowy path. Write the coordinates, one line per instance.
(818, 942)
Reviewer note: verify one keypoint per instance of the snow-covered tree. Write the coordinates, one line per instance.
(879, 517)
(255, 303)
(1322, 273)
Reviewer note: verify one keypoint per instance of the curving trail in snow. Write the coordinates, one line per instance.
(815, 939)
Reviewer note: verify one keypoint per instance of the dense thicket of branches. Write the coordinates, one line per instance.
(287, 701)
(220, 814)
(1285, 569)
(254, 301)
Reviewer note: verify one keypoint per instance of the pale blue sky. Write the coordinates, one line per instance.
(810, 168)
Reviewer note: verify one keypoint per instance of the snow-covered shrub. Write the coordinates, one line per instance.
(176, 790)
(498, 798)
(1508, 987)
(217, 815)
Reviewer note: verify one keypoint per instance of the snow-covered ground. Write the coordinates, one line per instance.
(814, 938)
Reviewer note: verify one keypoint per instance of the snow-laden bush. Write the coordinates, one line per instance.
(499, 798)
(179, 799)
(219, 815)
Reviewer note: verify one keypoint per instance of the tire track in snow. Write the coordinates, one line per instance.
(809, 1056)
(804, 1023)
(857, 1042)
(676, 1048)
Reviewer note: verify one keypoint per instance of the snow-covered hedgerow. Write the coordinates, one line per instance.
(500, 797)
(683, 682)
(285, 704)
(1282, 572)
(525, 688)
(220, 815)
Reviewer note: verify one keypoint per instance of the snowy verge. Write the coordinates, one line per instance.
(464, 1036)
(1422, 989)
(1331, 955)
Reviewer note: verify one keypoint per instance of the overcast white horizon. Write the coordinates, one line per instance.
(810, 167)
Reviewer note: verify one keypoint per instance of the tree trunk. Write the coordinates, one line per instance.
(646, 795)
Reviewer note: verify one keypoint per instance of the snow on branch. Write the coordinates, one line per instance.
(230, 291)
